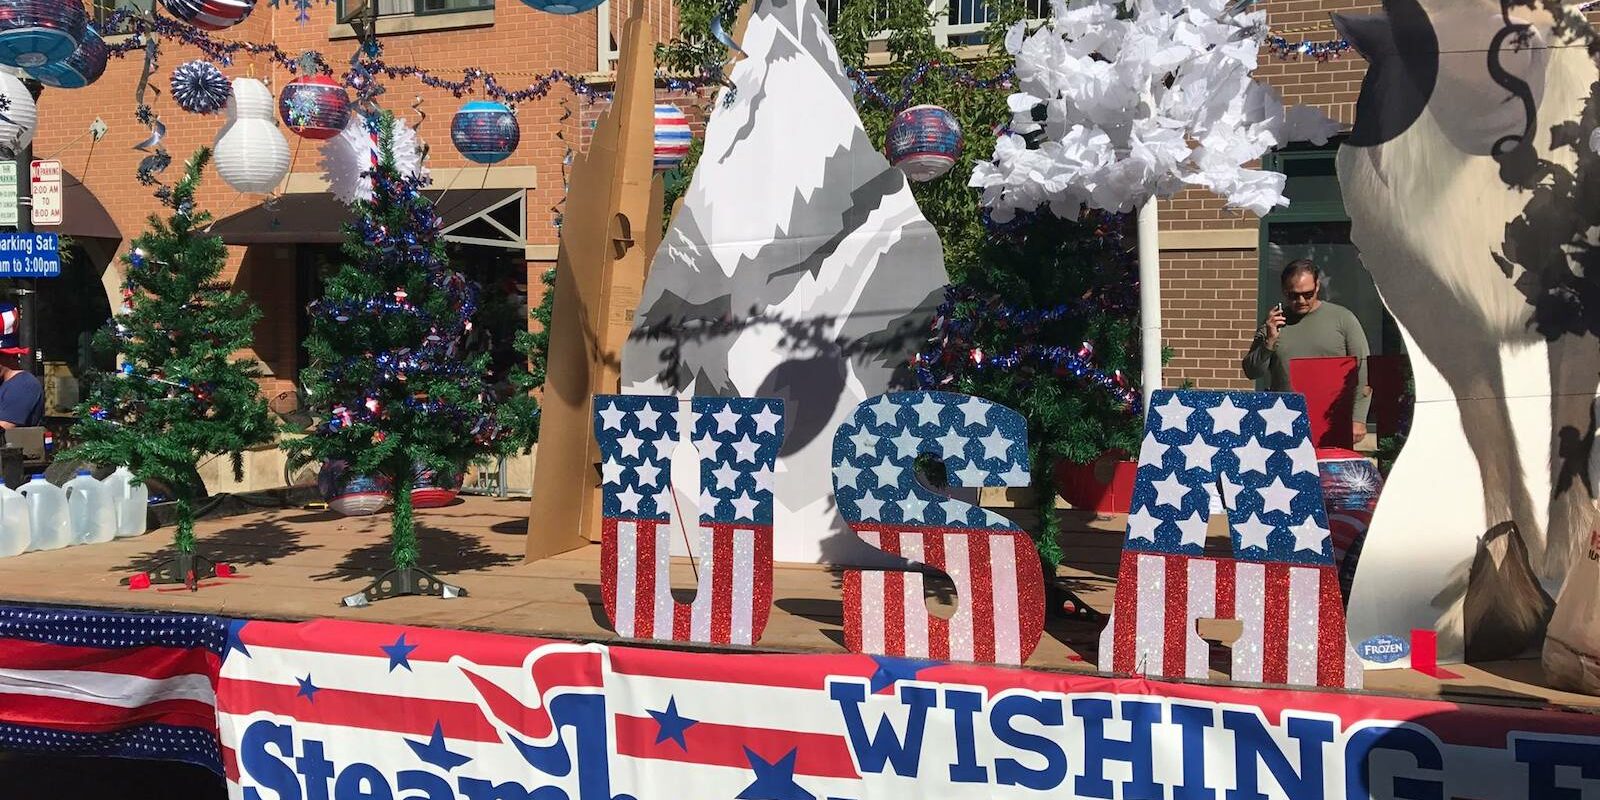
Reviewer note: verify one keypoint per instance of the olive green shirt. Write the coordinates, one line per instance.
(1330, 330)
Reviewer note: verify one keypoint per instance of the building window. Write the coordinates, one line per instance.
(418, 8)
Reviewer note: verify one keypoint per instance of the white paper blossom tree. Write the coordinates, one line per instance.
(1122, 100)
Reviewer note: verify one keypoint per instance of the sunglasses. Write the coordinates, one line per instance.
(1299, 295)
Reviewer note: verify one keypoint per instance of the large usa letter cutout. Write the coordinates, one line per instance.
(999, 583)
(1255, 449)
(737, 439)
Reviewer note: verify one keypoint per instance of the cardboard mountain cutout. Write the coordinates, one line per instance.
(797, 267)
(1473, 189)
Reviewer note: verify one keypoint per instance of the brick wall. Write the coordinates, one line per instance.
(1205, 294)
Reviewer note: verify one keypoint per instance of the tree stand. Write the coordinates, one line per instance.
(402, 581)
(188, 569)
(1063, 603)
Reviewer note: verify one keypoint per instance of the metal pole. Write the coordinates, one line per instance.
(1149, 300)
(27, 307)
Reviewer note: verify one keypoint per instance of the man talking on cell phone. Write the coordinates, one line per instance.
(1306, 326)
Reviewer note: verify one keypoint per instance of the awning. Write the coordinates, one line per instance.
(492, 217)
(82, 215)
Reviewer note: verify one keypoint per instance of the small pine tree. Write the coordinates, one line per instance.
(181, 394)
(517, 415)
(387, 364)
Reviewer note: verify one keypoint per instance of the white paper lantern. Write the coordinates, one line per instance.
(21, 116)
(252, 155)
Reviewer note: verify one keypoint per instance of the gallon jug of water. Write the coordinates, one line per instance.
(90, 506)
(132, 501)
(48, 521)
(14, 525)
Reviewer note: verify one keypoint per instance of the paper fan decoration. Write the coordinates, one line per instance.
(198, 87)
(353, 152)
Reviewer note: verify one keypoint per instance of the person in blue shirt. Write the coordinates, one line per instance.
(21, 394)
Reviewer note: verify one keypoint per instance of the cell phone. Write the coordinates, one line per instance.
(1278, 308)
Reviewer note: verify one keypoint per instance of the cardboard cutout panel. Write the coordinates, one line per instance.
(737, 440)
(1280, 584)
(797, 267)
(993, 564)
(1471, 183)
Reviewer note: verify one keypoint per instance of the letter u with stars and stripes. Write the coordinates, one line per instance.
(993, 564)
(737, 439)
(1253, 451)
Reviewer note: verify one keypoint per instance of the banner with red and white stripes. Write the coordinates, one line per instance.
(336, 709)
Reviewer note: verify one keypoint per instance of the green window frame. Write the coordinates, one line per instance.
(420, 8)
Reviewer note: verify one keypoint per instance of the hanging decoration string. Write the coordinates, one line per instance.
(865, 85)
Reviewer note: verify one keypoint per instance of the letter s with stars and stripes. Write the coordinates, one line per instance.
(993, 563)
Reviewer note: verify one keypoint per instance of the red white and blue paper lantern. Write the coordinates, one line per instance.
(924, 142)
(672, 136)
(315, 106)
(351, 495)
(563, 6)
(210, 15)
(432, 489)
(37, 33)
(485, 131)
(83, 67)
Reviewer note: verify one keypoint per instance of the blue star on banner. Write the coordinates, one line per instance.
(235, 640)
(436, 752)
(774, 781)
(308, 689)
(671, 725)
(891, 670)
(399, 653)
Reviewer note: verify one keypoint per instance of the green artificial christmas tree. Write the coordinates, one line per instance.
(181, 394)
(388, 370)
(516, 415)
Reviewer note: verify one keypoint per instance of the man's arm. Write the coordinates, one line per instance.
(1355, 344)
(1258, 361)
(6, 424)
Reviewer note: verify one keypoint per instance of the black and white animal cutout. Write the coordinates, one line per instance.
(1474, 196)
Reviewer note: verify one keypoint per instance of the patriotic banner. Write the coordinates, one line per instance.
(94, 683)
(342, 710)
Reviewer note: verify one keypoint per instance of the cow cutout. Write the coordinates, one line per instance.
(737, 439)
(993, 564)
(1253, 448)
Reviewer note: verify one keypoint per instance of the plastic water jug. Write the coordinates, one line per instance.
(14, 525)
(132, 501)
(48, 520)
(90, 506)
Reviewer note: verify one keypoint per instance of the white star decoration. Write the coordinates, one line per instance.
(1151, 451)
(1197, 454)
(1252, 457)
(744, 506)
(846, 474)
(1309, 535)
(727, 420)
(911, 509)
(888, 473)
(630, 445)
(763, 478)
(767, 421)
(1174, 414)
(649, 473)
(1276, 496)
(628, 499)
(865, 442)
(953, 445)
(906, 444)
(610, 472)
(1016, 476)
(884, 410)
(1230, 492)
(1279, 418)
(726, 475)
(1170, 491)
(1193, 529)
(746, 449)
(706, 446)
(1142, 525)
(974, 412)
(871, 507)
(972, 476)
(1303, 458)
(611, 418)
(928, 411)
(955, 512)
(1226, 417)
(995, 445)
(1253, 532)
(647, 418)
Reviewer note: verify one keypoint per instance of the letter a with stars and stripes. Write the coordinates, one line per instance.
(1253, 449)
(737, 439)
